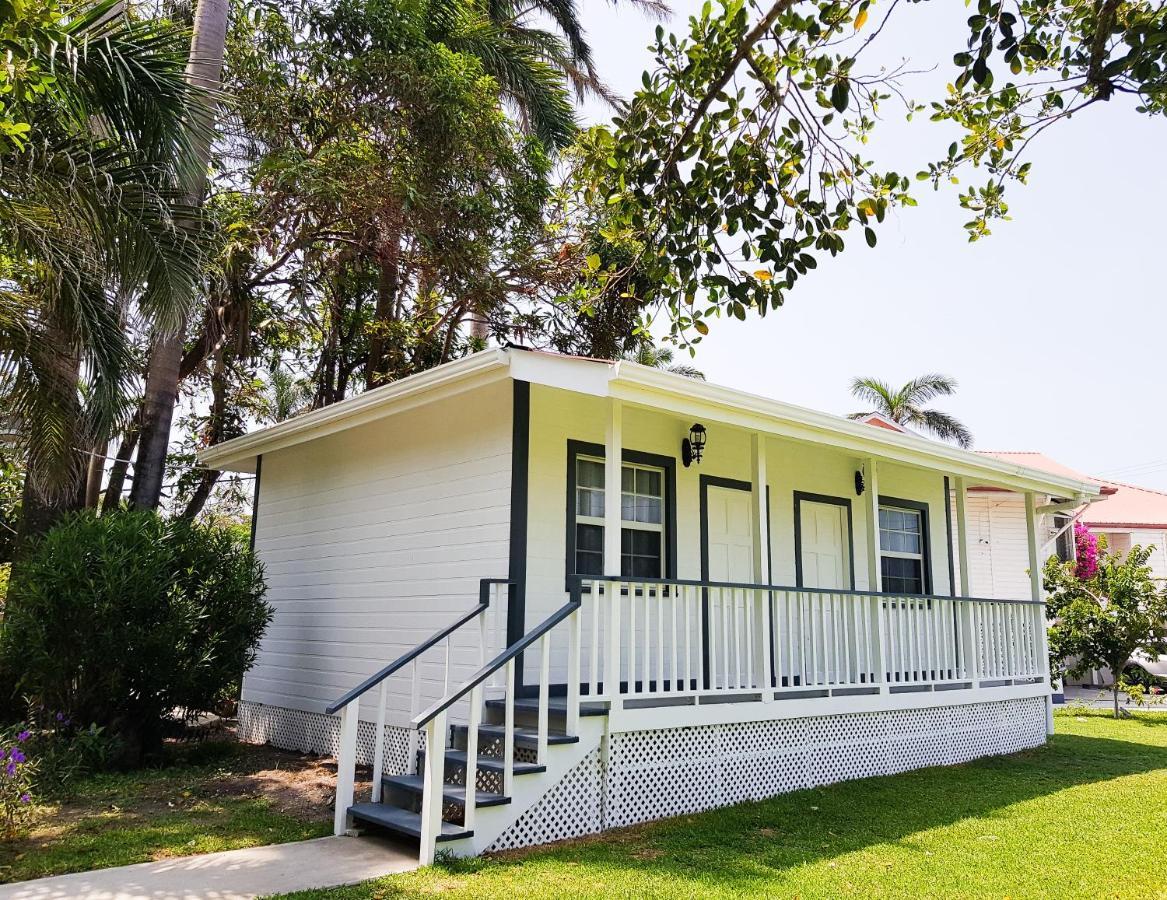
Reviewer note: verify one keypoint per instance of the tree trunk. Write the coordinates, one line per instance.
(377, 368)
(94, 473)
(1114, 693)
(121, 465)
(204, 68)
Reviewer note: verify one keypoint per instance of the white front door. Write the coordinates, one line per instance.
(729, 532)
(824, 537)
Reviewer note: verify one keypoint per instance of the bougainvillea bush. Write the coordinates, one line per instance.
(126, 619)
(1085, 552)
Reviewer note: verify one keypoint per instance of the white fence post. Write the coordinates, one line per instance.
(379, 743)
(432, 786)
(346, 764)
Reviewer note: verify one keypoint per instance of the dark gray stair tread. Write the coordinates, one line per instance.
(402, 821)
(453, 793)
(524, 737)
(556, 706)
(490, 763)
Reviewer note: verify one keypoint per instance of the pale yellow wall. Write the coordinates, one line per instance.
(557, 416)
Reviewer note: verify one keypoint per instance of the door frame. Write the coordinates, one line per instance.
(733, 484)
(803, 496)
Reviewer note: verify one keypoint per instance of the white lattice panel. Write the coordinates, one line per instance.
(570, 809)
(311, 732)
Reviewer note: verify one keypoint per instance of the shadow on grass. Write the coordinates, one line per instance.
(731, 847)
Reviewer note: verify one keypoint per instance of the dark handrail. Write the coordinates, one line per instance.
(499, 661)
(373, 680)
(578, 580)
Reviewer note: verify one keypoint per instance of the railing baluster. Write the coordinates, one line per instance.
(711, 636)
(379, 742)
(574, 627)
(676, 672)
(594, 661)
(544, 697)
(631, 638)
(726, 639)
(414, 708)
(736, 619)
(612, 656)
(659, 603)
(749, 601)
(508, 732)
(471, 799)
(646, 683)
(688, 604)
(446, 684)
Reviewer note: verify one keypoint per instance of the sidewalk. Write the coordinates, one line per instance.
(230, 875)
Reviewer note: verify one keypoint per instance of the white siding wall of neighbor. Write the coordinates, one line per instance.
(998, 549)
(375, 537)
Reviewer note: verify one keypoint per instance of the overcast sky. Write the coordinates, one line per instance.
(1054, 326)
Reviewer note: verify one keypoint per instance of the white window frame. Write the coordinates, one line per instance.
(922, 556)
(657, 527)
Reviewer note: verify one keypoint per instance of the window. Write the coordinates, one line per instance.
(903, 550)
(642, 514)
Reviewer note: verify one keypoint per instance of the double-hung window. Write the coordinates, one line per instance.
(642, 518)
(903, 550)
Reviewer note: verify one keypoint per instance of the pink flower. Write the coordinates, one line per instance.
(1086, 545)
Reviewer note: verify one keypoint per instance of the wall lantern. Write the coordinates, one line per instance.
(693, 446)
(860, 484)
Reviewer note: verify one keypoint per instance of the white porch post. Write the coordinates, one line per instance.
(874, 569)
(613, 452)
(1036, 594)
(761, 552)
(968, 637)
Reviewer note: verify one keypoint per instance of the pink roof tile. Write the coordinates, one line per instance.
(1122, 505)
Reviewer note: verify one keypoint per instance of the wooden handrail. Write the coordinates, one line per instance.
(579, 580)
(373, 680)
(499, 661)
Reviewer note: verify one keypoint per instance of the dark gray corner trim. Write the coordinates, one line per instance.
(667, 463)
(520, 476)
(706, 482)
(922, 509)
(255, 500)
(801, 497)
(948, 532)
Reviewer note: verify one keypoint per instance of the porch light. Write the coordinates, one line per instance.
(693, 446)
(860, 483)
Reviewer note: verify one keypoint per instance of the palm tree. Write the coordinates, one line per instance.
(93, 235)
(655, 357)
(906, 405)
(204, 69)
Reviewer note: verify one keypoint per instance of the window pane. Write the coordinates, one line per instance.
(648, 481)
(589, 503)
(648, 509)
(645, 567)
(628, 507)
(589, 473)
(589, 563)
(902, 576)
(628, 479)
(589, 538)
(645, 543)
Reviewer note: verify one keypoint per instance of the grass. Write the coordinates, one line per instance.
(214, 796)
(1085, 816)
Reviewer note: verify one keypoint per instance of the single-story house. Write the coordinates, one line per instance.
(544, 596)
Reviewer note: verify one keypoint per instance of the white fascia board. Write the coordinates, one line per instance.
(239, 454)
(689, 397)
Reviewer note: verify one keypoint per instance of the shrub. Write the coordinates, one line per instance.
(16, 776)
(121, 620)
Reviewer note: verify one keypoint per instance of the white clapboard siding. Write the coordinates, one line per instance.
(998, 545)
(374, 538)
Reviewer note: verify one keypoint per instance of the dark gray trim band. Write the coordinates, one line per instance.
(520, 477)
(255, 501)
(799, 498)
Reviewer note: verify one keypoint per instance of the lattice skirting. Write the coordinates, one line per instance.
(311, 732)
(642, 775)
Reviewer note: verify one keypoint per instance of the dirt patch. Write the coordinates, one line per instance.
(300, 786)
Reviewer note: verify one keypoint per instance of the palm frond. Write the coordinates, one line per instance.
(878, 393)
(943, 426)
(927, 387)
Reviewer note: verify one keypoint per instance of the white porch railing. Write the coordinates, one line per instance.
(646, 639)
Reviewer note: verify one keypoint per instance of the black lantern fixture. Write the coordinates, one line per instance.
(860, 483)
(693, 446)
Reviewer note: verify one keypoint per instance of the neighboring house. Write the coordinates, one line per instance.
(1126, 515)
(612, 594)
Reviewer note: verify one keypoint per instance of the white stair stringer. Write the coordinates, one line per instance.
(492, 823)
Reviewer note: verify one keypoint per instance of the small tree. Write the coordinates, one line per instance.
(1105, 613)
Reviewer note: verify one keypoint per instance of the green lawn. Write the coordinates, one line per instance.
(1085, 816)
(215, 796)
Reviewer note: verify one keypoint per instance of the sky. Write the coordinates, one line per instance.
(1054, 326)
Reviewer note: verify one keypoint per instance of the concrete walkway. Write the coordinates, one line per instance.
(230, 875)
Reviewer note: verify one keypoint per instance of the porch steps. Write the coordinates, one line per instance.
(402, 821)
(556, 707)
(456, 760)
(527, 738)
(451, 793)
